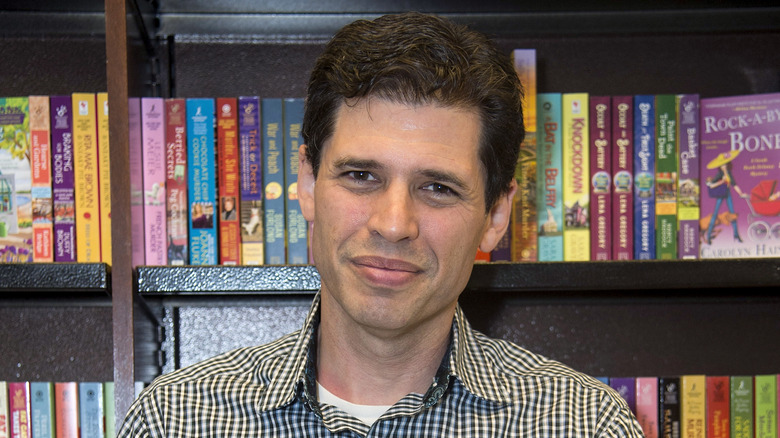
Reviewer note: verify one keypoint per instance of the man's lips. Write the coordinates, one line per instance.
(386, 271)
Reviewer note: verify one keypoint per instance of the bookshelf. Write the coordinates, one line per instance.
(614, 318)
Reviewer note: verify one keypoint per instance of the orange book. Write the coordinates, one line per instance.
(227, 165)
(104, 177)
(66, 408)
(85, 157)
(40, 162)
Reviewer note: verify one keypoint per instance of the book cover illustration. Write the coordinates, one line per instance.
(85, 158)
(622, 178)
(740, 210)
(273, 180)
(42, 201)
(666, 177)
(104, 176)
(16, 216)
(549, 199)
(688, 184)
(250, 180)
(297, 241)
(600, 178)
(523, 230)
(63, 183)
(228, 178)
(644, 177)
(155, 210)
(201, 176)
(576, 188)
(176, 181)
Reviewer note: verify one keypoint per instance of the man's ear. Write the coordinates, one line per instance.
(498, 219)
(305, 184)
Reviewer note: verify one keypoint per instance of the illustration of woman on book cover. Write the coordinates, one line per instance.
(719, 187)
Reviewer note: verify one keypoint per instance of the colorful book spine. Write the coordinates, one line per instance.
(227, 145)
(669, 406)
(273, 180)
(4, 420)
(176, 181)
(85, 158)
(765, 405)
(110, 409)
(626, 387)
(523, 227)
(741, 397)
(201, 181)
(718, 407)
(104, 176)
(135, 161)
(19, 409)
(693, 406)
(16, 218)
(91, 410)
(666, 177)
(622, 178)
(647, 405)
(251, 180)
(644, 177)
(600, 178)
(63, 183)
(297, 241)
(576, 189)
(40, 159)
(42, 408)
(66, 406)
(688, 187)
(155, 210)
(549, 199)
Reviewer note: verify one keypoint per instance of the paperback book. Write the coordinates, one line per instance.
(666, 177)
(644, 177)
(227, 167)
(718, 409)
(154, 176)
(273, 180)
(42, 408)
(40, 158)
(135, 162)
(688, 186)
(576, 189)
(16, 216)
(176, 181)
(600, 178)
(104, 176)
(85, 159)
(63, 183)
(549, 199)
(201, 176)
(251, 180)
(622, 178)
(297, 246)
(741, 397)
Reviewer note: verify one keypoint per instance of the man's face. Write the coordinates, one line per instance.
(398, 208)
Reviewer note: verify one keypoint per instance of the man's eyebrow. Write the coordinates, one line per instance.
(441, 176)
(356, 163)
(447, 178)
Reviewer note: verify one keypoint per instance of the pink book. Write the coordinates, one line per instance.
(136, 180)
(42, 212)
(19, 409)
(176, 181)
(153, 135)
(647, 405)
(600, 179)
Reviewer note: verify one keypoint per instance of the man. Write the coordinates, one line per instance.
(411, 134)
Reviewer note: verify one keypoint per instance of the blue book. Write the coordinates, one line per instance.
(201, 177)
(42, 409)
(250, 180)
(91, 410)
(549, 177)
(644, 177)
(297, 246)
(273, 180)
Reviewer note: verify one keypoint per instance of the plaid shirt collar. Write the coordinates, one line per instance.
(295, 375)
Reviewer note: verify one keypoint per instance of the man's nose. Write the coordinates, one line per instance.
(394, 214)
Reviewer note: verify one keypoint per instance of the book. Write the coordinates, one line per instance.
(296, 233)
(647, 405)
(135, 164)
(622, 178)
(626, 387)
(688, 183)
(85, 160)
(19, 409)
(15, 181)
(273, 180)
(4, 420)
(104, 176)
(741, 398)
(228, 178)
(42, 409)
(718, 407)
(576, 189)
(63, 183)
(66, 407)
(154, 177)
(91, 410)
(600, 178)
(693, 402)
(765, 405)
(201, 177)
(110, 409)
(549, 199)
(740, 168)
(666, 177)
(41, 184)
(644, 177)
(176, 181)
(523, 227)
(503, 250)
(669, 406)
(250, 180)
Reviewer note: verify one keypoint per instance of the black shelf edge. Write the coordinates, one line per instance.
(50, 23)
(54, 278)
(500, 277)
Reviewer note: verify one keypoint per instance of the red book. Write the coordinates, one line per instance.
(19, 409)
(176, 181)
(66, 408)
(718, 411)
(227, 165)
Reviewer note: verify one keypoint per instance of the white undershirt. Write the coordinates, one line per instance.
(365, 413)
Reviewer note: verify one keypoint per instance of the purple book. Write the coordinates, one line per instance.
(688, 186)
(626, 387)
(250, 180)
(622, 178)
(600, 179)
(63, 179)
(740, 201)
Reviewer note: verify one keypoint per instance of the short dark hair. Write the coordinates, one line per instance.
(414, 58)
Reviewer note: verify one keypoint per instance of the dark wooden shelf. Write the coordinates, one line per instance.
(55, 278)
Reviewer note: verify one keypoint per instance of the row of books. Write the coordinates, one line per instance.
(698, 406)
(650, 177)
(61, 409)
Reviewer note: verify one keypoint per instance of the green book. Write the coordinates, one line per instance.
(666, 177)
(766, 406)
(741, 406)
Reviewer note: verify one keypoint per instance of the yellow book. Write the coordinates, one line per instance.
(104, 176)
(85, 157)
(576, 181)
(693, 406)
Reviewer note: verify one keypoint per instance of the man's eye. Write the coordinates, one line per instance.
(360, 175)
(439, 189)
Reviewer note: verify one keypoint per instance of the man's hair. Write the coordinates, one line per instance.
(418, 59)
